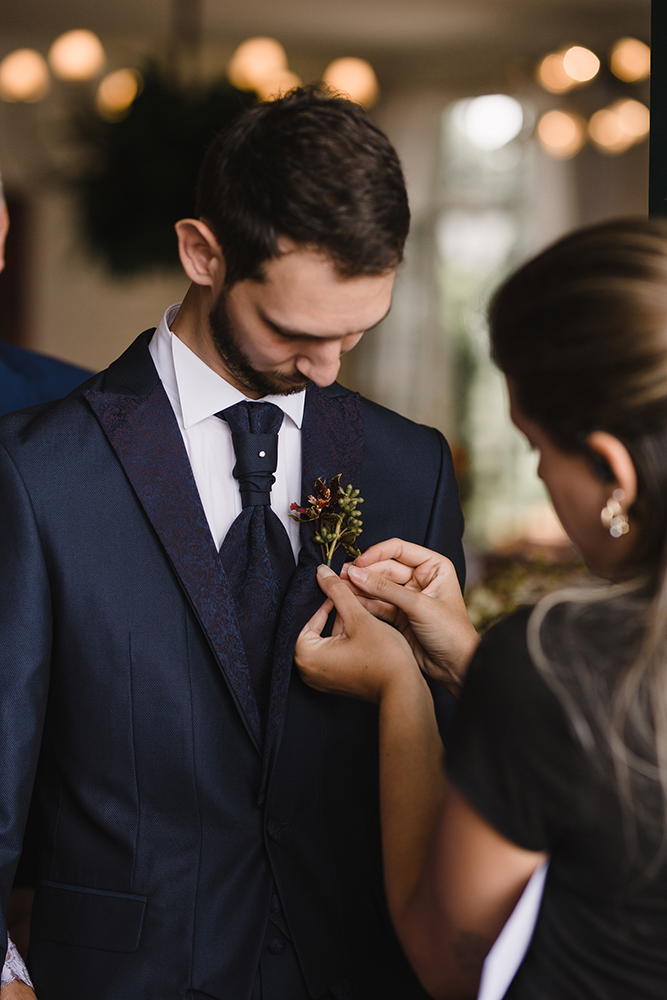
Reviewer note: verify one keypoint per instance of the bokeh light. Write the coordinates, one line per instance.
(353, 78)
(24, 76)
(255, 63)
(116, 93)
(552, 76)
(77, 55)
(276, 84)
(607, 132)
(630, 60)
(491, 121)
(561, 133)
(580, 64)
(621, 125)
(634, 117)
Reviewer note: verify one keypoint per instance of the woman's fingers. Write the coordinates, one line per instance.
(428, 610)
(395, 548)
(438, 579)
(360, 659)
(393, 570)
(413, 566)
(380, 609)
(319, 619)
(339, 593)
(383, 589)
(441, 634)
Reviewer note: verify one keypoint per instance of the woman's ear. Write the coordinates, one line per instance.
(611, 454)
(200, 252)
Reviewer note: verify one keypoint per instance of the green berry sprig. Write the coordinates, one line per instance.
(338, 521)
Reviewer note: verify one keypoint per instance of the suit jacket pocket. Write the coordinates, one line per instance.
(89, 918)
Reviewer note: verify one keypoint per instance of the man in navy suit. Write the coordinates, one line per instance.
(27, 378)
(194, 841)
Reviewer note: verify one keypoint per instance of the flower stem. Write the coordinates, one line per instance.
(328, 550)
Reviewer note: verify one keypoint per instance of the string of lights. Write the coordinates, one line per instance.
(613, 128)
(258, 64)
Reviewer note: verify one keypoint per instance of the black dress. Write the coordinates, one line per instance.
(602, 928)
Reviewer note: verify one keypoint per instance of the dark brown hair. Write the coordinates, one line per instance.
(312, 167)
(581, 332)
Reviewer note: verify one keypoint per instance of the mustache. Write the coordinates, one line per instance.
(296, 383)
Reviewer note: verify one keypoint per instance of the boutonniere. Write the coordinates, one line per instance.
(335, 511)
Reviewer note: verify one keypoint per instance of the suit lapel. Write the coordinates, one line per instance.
(332, 441)
(145, 436)
(137, 418)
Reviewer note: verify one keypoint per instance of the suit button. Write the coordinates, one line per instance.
(274, 829)
(276, 946)
(275, 904)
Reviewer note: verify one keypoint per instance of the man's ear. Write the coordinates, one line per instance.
(612, 455)
(200, 253)
(4, 229)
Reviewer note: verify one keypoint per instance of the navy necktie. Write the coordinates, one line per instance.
(256, 553)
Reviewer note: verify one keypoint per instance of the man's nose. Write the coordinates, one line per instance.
(321, 362)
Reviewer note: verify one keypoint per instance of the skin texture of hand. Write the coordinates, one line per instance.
(417, 591)
(16, 991)
(19, 910)
(363, 658)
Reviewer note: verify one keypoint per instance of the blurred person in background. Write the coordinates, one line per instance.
(27, 378)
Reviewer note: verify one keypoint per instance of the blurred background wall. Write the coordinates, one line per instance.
(502, 150)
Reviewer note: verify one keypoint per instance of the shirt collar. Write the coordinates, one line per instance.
(202, 392)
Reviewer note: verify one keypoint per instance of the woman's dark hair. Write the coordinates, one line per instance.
(580, 332)
(312, 167)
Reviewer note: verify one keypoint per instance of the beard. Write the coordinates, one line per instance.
(237, 362)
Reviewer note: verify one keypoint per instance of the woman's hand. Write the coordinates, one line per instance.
(363, 658)
(417, 591)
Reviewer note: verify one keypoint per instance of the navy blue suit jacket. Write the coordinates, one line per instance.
(27, 378)
(164, 814)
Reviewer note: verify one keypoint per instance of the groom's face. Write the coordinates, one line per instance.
(276, 335)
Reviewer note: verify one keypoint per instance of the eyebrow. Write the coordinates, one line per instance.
(300, 335)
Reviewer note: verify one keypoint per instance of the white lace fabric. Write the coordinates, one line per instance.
(14, 968)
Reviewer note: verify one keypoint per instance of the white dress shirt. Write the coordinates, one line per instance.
(196, 394)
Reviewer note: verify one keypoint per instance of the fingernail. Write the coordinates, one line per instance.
(323, 570)
(358, 574)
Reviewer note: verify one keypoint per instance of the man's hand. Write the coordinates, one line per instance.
(14, 966)
(16, 991)
(19, 910)
(417, 591)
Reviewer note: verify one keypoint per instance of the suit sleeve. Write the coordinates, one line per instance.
(445, 527)
(25, 642)
(444, 533)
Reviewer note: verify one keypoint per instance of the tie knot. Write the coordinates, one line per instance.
(253, 418)
(254, 428)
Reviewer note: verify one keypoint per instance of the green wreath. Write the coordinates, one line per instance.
(140, 172)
